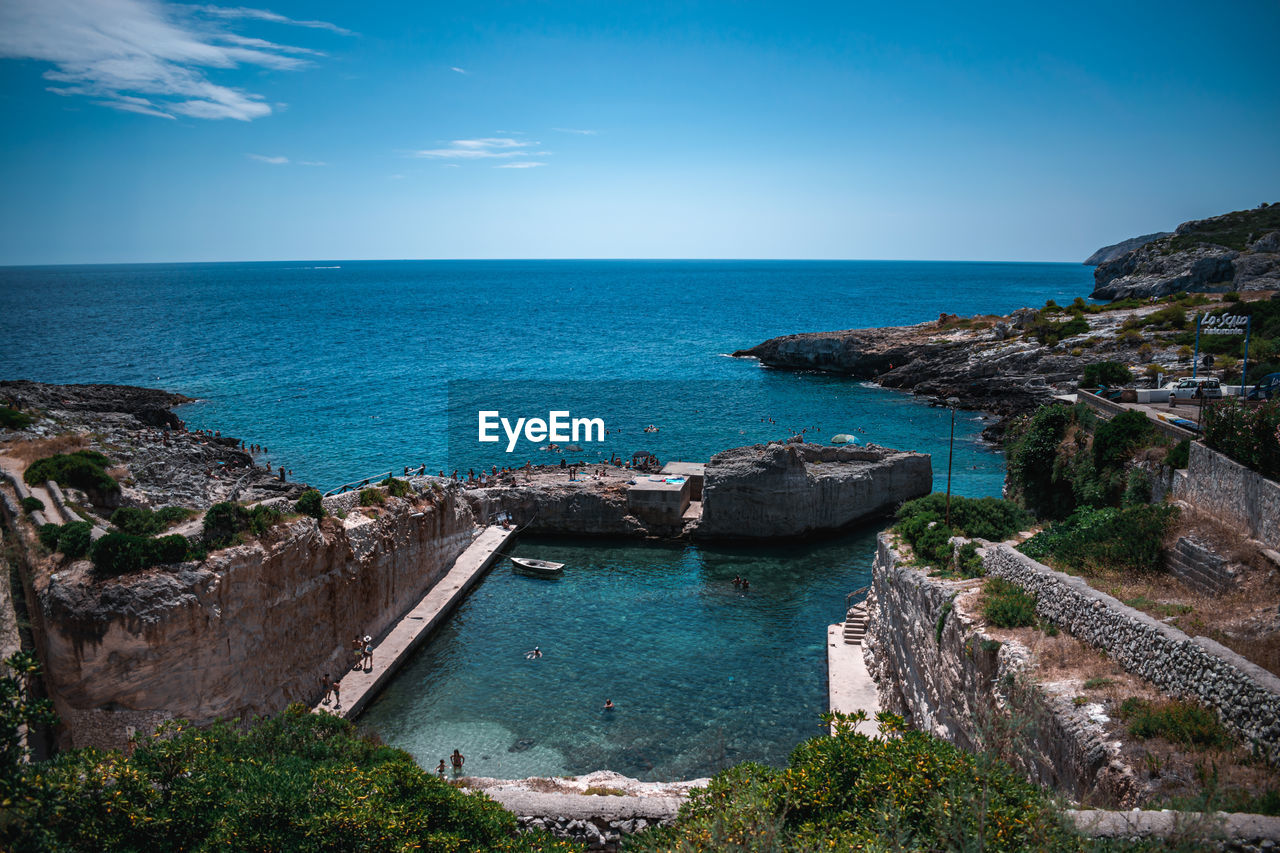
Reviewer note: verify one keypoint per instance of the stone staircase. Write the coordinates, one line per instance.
(855, 624)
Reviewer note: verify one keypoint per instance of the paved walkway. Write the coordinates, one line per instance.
(359, 687)
(849, 684)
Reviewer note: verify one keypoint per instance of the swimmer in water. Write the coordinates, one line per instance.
(535, 652)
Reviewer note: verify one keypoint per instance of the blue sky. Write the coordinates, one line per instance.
(146, 131)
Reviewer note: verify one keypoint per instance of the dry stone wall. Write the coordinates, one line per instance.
(935, 666)
(1232, 492)
(1246, 697)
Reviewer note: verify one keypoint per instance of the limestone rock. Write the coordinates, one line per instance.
(789, 490)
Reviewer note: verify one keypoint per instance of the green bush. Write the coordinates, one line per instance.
(169, 549)
(1138, 488)
(372, 497)
(1006, 605)
(32, 504)
(13, 419)
(968, 562)
(1248, 434)
(1176, 721)
(907, 791)
(921, 523)
(1105, 373)
(168, 516)
(1115, 440)
(310, 503)
(398, 488)
(1128, 540)
(74, 539)
(120, 554)
(135, 521)
(48, 535)
(1032, 456)
(83, 469)
(295, 782)
(226, 523)
(1180, 456)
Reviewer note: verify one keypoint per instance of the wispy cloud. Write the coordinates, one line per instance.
(264, 15)
(312, 163)
(500, 147)
(574, 130)
(144, 57)
(457, 69)
(263, 158)
(523, 164)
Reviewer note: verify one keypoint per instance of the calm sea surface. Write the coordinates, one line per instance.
(342, 369)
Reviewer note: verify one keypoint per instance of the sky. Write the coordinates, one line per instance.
(146, 131)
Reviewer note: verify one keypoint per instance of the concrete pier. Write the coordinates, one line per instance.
(849, 684)
(356, 686)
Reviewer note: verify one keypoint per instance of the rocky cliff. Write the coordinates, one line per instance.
(790, 490)
(247, 631)
(550, 504)
(1235, 251)
(1124, 247)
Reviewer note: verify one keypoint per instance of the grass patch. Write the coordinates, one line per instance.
(1097, 683)
(603, 791)
(372, 497)
(1176, 721)
(1125, 540)
(1006, 605)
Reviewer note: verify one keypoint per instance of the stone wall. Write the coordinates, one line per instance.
(1198, 566)
(1230, 491)
(935, 666)
(249, 630)
(1246, 697)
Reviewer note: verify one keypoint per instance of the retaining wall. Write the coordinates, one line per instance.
(1246, 697)
(1230, 491)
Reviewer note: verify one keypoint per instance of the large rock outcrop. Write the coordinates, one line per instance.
(247, 631)
(1124, 247)
(1234, 251)
(582, 508)
(790, 490)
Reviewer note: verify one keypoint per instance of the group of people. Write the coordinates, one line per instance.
(457, 760)
(741, 583)
(362, 652)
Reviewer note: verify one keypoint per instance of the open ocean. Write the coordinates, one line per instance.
(341, 368)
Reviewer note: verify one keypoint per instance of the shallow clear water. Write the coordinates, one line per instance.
(702, 675)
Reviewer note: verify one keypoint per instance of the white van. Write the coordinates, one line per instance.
(1185, 389)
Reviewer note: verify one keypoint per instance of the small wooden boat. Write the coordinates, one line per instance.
(536, 567)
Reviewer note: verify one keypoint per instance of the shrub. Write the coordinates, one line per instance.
(1105, 373)
(1115, 440)
(902, 790)
(968, 563)
(1129, 539)
(133, 520)
(1138, 488)
(1006, 605)
(262, 518)
(979, 518)
(32, 504)
(294, 782)
(74, 539)
(372, 497)
(83, 469)
(168, 516)
(48, 535)
(310, 503)
(169, 549)
(397, 488)
(120, 553)
(225, 523)
(1249, 435)
(1176, 721)
(1180, 456)
(1031, 457)
(13, 419)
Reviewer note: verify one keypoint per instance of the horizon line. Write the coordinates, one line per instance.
(9, 266)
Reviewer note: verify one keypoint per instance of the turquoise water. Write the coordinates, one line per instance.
(702, 675)
(343, 369)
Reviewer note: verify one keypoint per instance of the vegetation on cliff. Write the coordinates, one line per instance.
(294, 782)
(83, 469)
(922, 523)
(1249, 435)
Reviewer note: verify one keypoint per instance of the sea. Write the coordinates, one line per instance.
(346, 369)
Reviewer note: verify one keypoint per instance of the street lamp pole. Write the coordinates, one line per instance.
(952, 402)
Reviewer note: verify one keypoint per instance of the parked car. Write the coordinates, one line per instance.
(1186, 388)
(1266, 389)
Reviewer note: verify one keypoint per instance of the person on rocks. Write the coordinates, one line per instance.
(457, 760)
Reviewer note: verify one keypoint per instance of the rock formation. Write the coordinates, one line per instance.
(247, 631)
(1124, 247)
(1235, 251)
(790, 490)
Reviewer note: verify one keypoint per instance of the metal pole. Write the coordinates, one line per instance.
(950, 451)
(1195, 359)
(1244, 370)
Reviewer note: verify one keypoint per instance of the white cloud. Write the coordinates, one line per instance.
(479, 149)
(263, 158)
(574, 130)
(145, 57)
(523, 164)
(264, 15)
(459, 70)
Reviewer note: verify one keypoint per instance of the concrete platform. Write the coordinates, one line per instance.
(849, 684)
(358, 687)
